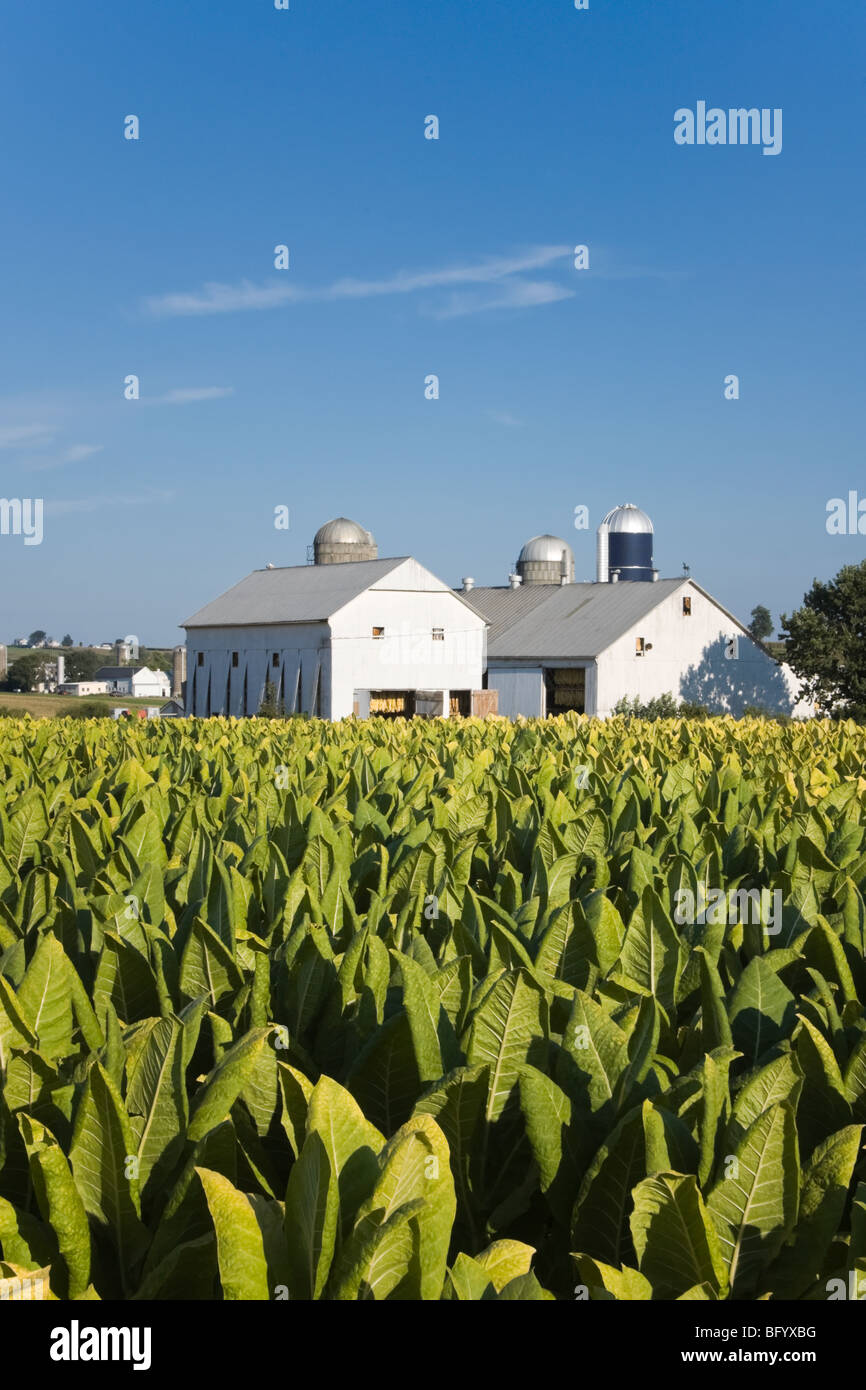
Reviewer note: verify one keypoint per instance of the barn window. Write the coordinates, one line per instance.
(438, 634)
(275, 659)
(639, 646)
(234, 658)
(687, 608)
(378, 632)
(200, 658)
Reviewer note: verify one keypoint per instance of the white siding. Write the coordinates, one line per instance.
(687, 658)
(408, 603)
(294, 643)
(341, 657)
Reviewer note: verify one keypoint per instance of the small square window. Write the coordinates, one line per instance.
(234, 658)
(378, 633)
(687, 608)
(639, 646)
(438, 634)
(200, 658)
(275, 659)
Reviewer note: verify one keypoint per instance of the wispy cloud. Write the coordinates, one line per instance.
(77, 453)
(27, 436)
(515, 294)
(187, 395)
(506, 419)
(215, 298)
(61, 507)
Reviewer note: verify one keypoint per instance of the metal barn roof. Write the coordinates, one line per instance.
(503, 606)
(292, 594)
(571, 621)
(114, 673)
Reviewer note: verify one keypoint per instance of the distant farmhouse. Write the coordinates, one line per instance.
(138, 681)
(353, 634)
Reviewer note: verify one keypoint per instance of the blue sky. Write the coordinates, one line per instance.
(305, 387)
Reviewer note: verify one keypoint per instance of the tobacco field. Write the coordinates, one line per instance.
(388, 1009)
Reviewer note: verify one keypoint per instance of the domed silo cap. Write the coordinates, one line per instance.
(628, 518)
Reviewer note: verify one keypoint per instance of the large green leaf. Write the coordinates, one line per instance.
(756, 1206)
(501, 1032)
(761, 1010)
(103, 1159)
(218, 1093)
(826, 1183)
(60, 1204)
(156, 1099)
(421, 998)
(547, 1112)
(601, 1212)
(674, 1237)
(350, 1141)
(44, 998)
(651, 959)
(594, 1058)
(312, 1212)
(240, 1248)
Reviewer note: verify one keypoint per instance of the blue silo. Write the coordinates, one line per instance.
(625, 546)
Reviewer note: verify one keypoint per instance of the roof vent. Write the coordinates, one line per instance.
(468, 583)
(514, 581)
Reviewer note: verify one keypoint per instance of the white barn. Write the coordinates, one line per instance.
(346, 635)
(554, 645)
(138, 681)
(353, 634)
(585, 646)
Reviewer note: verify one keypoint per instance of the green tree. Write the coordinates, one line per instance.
(155, 659)
(36, 637)
(271, 707)
(826, 643)
(83, 663)
(26, 672)
(67, 641)
(762, 623)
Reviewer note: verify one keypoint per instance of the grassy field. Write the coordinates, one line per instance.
(52, 706)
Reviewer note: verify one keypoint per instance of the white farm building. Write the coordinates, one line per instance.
(353, 634)
(350, 634)
(138, 681)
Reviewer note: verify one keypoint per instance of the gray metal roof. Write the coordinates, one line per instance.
(568, 621)
(503, 606)
(293, 594)
(114, 673)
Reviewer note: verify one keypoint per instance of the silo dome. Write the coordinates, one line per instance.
(546, 560)
(629, 518)
(625, 545)
(342, 540)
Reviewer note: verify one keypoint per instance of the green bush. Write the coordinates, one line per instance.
(661, 707)
(88, 709)
(761, 712)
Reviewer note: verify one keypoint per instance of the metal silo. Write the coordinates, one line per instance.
(341, 541)
(545, 560)
(624, 545)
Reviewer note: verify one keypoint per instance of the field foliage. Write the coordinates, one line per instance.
(403, 1010)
